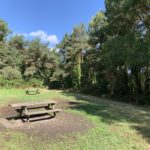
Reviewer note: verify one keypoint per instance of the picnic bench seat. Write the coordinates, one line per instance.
(32, 92)
(47, 107)
(43, 112)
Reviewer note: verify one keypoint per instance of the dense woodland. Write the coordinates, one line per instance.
(109, 58)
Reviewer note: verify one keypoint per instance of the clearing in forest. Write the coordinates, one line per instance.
(86, 122)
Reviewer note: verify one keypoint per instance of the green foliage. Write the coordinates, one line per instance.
(115, 59)
(3, 30)
(26, 63)
(30, 71)
(20, 83)
(72, 49)
(76, 74)
(33, 83)
(10, 73)
(17, 83)
(97, 29)
(111, 57)
(18, 42)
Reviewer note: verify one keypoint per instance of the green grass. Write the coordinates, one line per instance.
(117, 126)
(18, 95)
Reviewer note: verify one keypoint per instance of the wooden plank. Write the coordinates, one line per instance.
(39, 118)
(46, 106)
(42, 112)
(28, 104)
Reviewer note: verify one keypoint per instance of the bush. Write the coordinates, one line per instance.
(33, 83)
(10, 83)
(20, 83)
(10, 73)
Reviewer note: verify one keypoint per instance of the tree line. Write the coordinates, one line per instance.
(109, 58)
(24, 62)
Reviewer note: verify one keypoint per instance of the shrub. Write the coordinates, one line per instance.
(10, 73)
(20, 83)
(33, 82)
(10, 83)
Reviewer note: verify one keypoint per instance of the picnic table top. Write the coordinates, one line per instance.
(26, 104)
(32, 90)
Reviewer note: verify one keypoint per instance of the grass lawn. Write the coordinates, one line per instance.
(117, 126)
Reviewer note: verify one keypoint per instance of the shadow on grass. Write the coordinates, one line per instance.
(111, 112)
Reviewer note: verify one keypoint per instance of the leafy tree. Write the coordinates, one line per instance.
(72, 48)
(18, 42)
(4, 31)
(10, 73)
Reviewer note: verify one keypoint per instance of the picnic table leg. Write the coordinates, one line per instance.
(54, 114)
(26, 112)
(20, 112)
(28, 118)
(50, 106)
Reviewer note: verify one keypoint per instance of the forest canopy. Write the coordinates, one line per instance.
(111, 57)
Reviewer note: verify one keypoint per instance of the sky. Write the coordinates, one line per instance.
(47, 19)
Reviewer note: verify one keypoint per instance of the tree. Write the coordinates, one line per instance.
(18, 42)
(4, 31)
(72, 48)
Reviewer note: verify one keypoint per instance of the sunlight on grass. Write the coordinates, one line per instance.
(117, 126)
(19, 95)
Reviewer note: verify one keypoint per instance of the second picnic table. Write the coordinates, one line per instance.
(44, 107)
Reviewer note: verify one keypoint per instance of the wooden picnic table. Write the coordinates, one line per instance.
(44, 107)
(32, 92)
